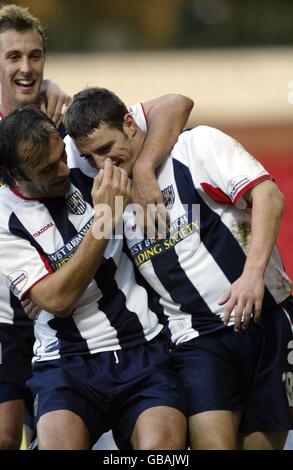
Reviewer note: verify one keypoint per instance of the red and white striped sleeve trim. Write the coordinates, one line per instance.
(248, 186)
(49, 271)
(25, 294)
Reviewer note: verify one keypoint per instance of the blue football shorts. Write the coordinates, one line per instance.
(16, 344)
(108, 390)
(250, 371)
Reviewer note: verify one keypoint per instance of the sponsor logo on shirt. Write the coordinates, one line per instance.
(235, 184)
(16, 281)
(61, 256)
(43, 230)
(168, 197)
(181, 229)
(75, 203)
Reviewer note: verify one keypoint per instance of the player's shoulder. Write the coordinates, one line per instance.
(8, 204)
(7, 196)
(203, 132)
(198, 138)
(203, 139)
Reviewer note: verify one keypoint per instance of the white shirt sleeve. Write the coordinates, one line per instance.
(224, 165)
(21, 264)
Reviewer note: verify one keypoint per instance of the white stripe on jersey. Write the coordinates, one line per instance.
(11, 312)
(46, 342)
(125, 279)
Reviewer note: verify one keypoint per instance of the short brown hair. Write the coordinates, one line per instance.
(92, 107)
(24, 137)
(20, 19)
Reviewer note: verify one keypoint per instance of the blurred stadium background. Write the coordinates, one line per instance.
(233, 57)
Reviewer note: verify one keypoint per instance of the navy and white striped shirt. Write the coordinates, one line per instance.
(202, 182)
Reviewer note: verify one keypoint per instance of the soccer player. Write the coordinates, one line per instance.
(99, 362)
(218, 271)
(22, 57)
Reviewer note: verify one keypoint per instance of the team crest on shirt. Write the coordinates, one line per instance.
(168, 196)
(76, 204)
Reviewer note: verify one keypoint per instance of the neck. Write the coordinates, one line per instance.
(27, 190)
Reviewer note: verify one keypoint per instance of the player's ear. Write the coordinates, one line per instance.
(129, 125)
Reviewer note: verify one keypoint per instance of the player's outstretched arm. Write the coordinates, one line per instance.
(246, 294)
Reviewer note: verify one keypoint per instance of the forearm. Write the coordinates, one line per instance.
(58, 292)
(166, 117)
(267, 210)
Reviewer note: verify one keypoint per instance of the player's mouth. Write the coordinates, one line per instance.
(62, 182)
(25, 85)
